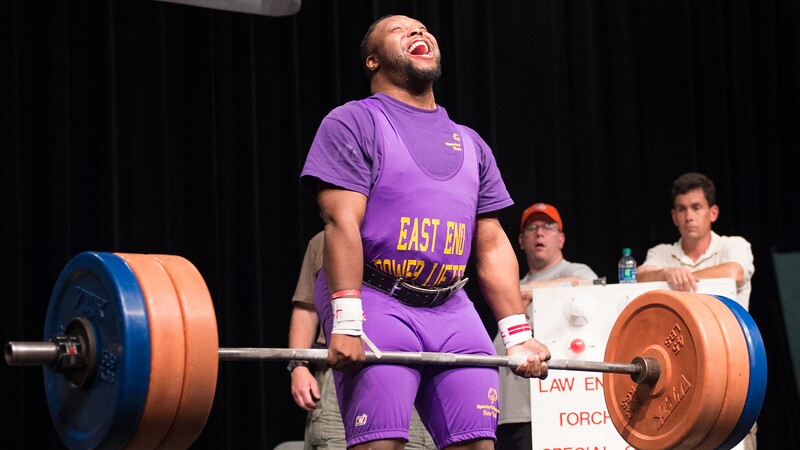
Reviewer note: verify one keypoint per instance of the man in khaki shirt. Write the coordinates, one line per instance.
(700, 252)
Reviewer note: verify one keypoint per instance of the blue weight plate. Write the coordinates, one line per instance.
(758, 374)
(102, 289)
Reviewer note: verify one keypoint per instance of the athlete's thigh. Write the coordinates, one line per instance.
(376, 401)
(458, 404)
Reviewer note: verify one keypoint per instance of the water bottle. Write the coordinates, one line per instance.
(627, 267)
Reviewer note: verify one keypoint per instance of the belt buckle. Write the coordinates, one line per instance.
(395, 286)
(453, 288)
(435, 301)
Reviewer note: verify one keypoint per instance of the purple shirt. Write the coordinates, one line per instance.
(425, 177)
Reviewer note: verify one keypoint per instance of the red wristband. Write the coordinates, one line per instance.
(346, 293)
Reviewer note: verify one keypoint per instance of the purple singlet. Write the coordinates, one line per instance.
(426, 179)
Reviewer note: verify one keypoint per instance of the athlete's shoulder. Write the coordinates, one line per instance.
(354, 110)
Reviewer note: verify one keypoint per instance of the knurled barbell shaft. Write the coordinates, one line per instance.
(425, 358)
(635, 369)
(642, 370)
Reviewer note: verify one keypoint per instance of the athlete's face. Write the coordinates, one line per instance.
(404, 48)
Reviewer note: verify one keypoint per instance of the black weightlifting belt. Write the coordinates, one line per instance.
(407, 293)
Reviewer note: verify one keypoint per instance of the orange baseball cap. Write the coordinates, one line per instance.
(548, 210)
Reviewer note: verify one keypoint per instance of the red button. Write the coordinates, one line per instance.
(577, 346)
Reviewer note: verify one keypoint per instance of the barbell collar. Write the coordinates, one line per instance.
(31, 353)
(649, 370)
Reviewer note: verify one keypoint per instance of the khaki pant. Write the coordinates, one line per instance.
(750, 442)
(324, 429)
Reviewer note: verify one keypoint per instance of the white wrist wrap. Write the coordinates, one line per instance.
(348, 316)
(515, 330)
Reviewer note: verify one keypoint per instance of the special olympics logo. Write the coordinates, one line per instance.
(492, 395)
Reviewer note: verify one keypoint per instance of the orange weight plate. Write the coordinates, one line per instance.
(202, 352)
(738, 371)
(681, 408)
(166, 351)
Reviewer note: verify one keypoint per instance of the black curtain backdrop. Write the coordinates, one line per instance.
(140, 126)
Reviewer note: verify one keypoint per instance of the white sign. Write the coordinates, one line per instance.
(568, 409)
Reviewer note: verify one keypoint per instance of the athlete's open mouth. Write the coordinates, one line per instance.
(419, 48)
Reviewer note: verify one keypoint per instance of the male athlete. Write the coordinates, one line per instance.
(406, 195)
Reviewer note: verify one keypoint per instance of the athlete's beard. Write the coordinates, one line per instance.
(417, 74)
(406, 67)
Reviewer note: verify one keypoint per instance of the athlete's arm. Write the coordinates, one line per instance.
(497, 271)
(343, 211)
(497, 268)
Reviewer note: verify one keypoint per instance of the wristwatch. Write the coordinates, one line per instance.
(295, 364)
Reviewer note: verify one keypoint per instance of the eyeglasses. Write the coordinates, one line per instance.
(552, 226)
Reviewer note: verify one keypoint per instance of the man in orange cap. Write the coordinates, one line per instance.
(541, 237)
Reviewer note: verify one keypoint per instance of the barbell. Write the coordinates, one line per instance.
(131, 357)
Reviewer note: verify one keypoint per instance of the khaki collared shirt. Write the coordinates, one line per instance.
(723, 249)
